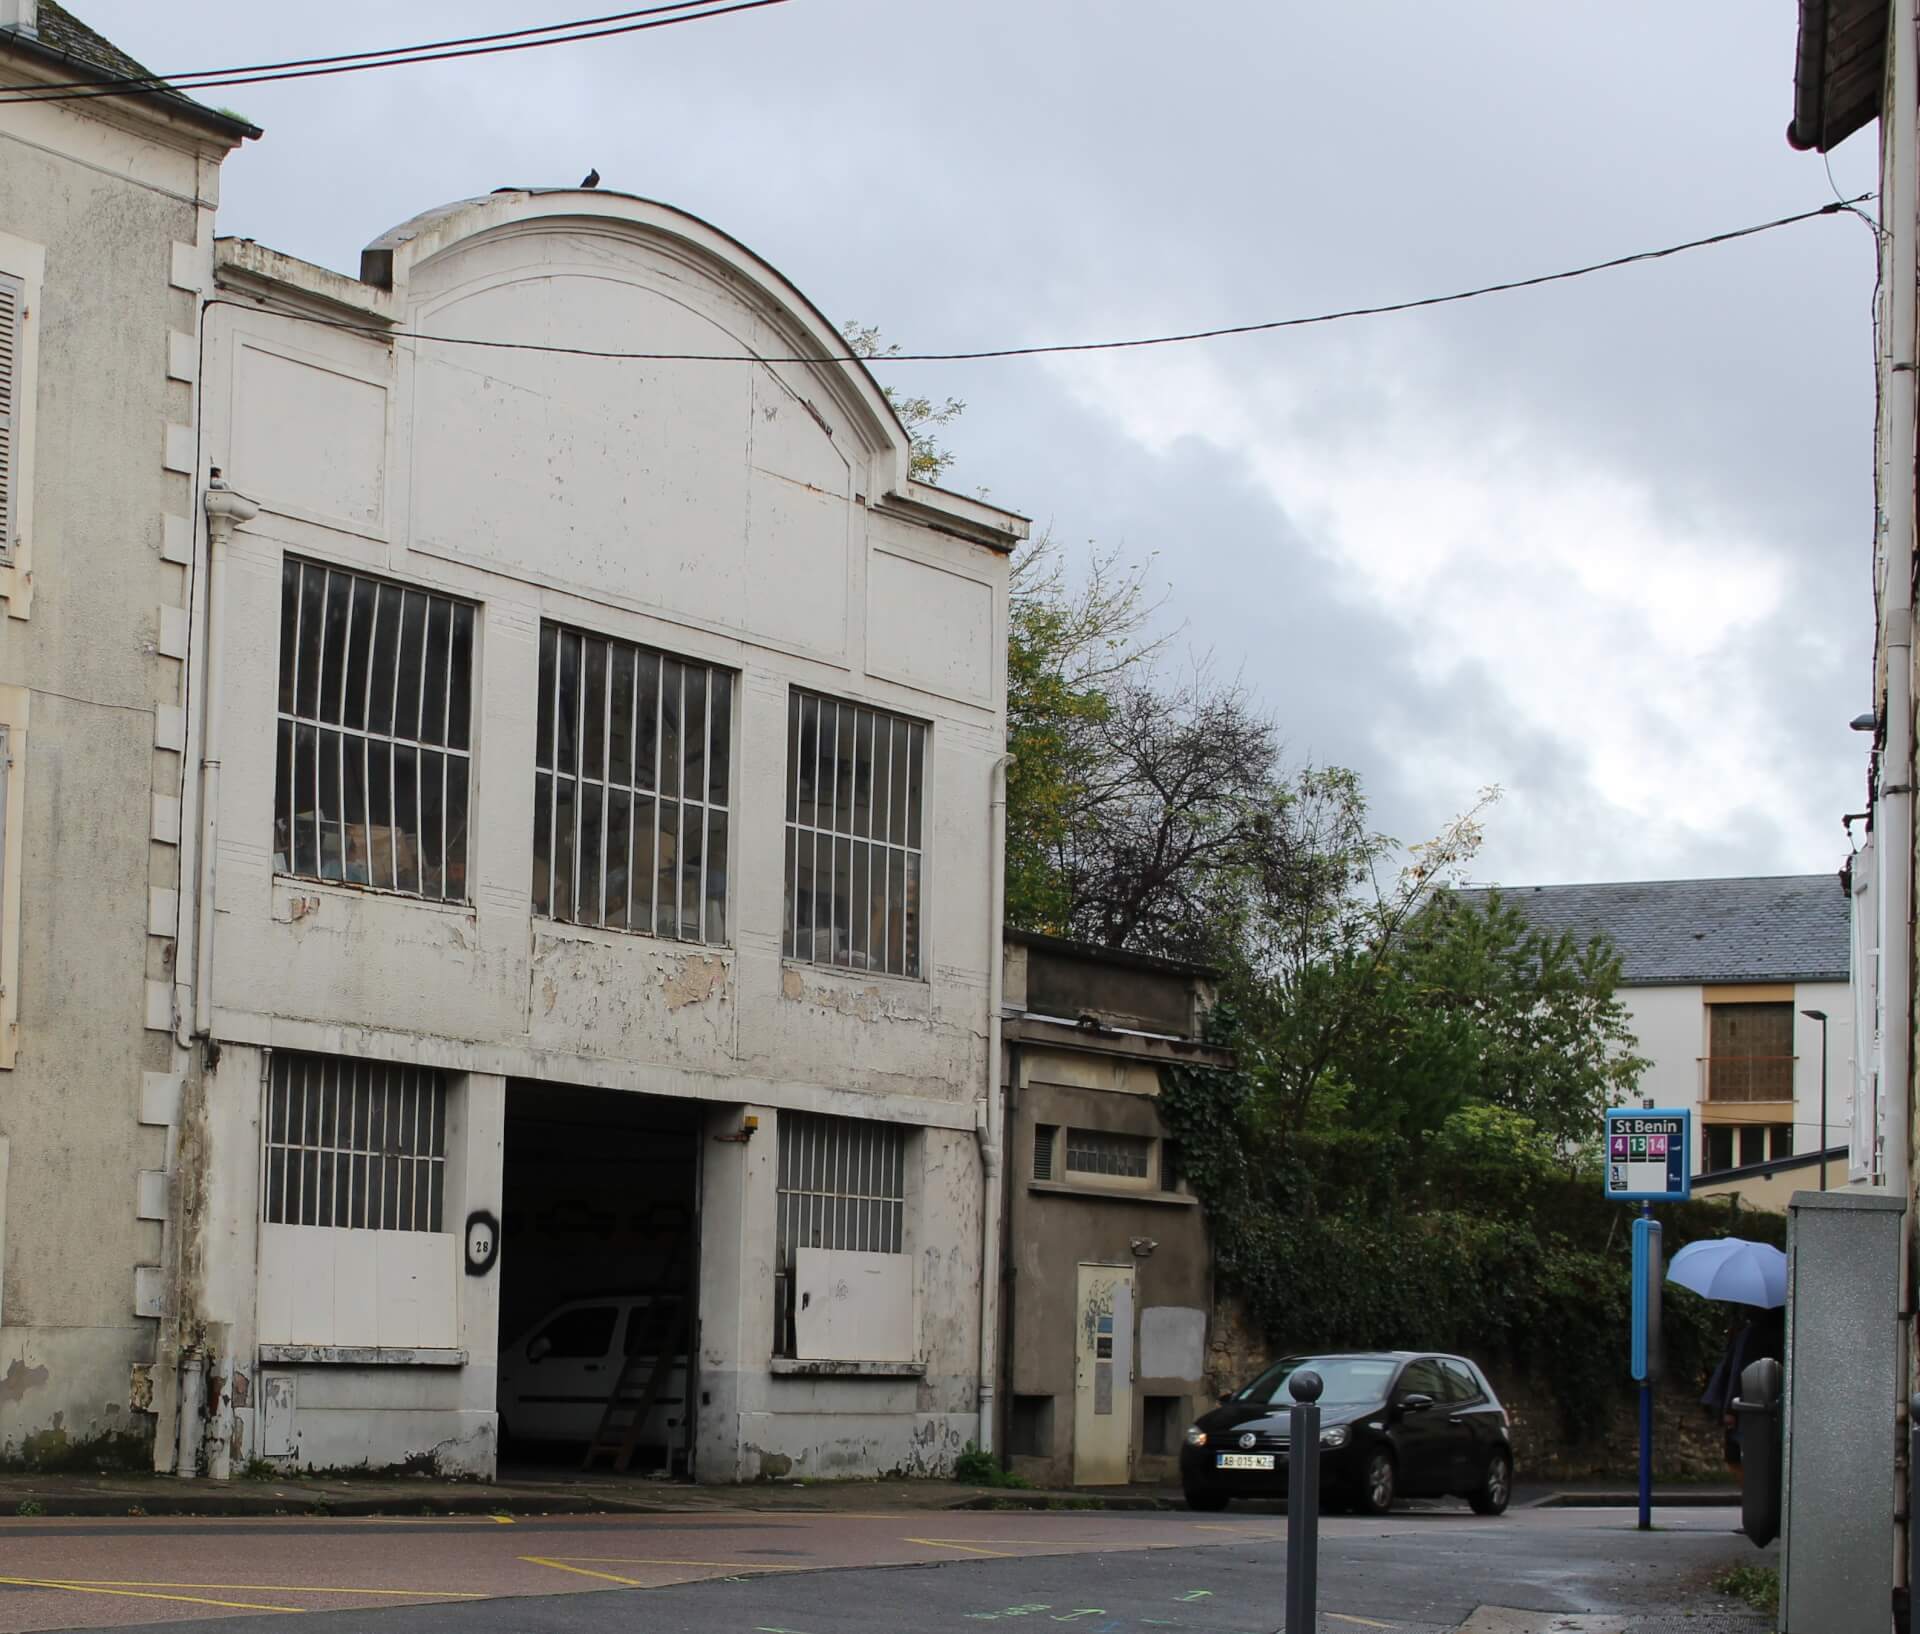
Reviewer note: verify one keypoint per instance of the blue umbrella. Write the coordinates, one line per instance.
(1732, 1269)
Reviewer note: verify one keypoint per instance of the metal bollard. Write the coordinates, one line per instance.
(1758, 1409)
(1303, 1502)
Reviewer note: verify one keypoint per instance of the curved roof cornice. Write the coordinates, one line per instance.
(389, 262)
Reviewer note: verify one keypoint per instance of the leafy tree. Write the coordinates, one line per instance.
(927, 460)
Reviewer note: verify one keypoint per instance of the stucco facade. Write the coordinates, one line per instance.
(106, 237)
(753, 522)
(1109, 1269)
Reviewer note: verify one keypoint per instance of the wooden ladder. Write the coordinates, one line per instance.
(652, 1352)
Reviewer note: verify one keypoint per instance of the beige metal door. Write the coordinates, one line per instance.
(1103, 1376)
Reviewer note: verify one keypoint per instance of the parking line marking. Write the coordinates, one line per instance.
(966, 1548)
(605, 1577)
(1362, 1622)
(659, 1560)
(131, 1594)
(270, 1588)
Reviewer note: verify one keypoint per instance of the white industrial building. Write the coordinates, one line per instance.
(575, 943)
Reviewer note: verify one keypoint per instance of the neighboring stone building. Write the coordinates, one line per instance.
(106, 242)
(1716, 974)
(1108, 1263)
(556, 922)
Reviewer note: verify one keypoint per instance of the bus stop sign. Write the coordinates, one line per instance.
(1647, 1155)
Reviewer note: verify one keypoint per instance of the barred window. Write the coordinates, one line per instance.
(373, 762)
(1120, 1157)
(855, 779)
(632, 772)
(842, 1184)
(354, 1144)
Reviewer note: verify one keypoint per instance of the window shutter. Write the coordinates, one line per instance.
(10, 292)
(1043, 1134)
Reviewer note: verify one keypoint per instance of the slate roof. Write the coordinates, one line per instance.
(62, 36)
(1670, 932)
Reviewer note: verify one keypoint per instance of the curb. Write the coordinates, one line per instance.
(1680, 1498)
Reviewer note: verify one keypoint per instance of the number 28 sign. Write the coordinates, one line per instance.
(1647, 1156)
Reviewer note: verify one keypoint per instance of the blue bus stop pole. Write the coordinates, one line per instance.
(1646, 1418)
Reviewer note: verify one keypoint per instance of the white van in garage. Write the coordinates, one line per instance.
(557, 1377)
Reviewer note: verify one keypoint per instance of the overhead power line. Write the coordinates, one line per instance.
(476, 45)
(1056, 348)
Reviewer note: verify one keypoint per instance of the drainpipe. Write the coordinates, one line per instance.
(1894, 820)
(191, 1414)
(225, 510)
(987, 1120)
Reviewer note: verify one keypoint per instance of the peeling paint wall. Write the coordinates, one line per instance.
(757, 518)
(116, 208)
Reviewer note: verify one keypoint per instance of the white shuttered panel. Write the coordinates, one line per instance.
(11, 293)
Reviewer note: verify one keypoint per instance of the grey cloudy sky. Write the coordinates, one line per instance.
(1605, 544)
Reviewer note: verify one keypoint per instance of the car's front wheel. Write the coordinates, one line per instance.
(1199, 1498)
(1381, 1484)
(1496, 1487)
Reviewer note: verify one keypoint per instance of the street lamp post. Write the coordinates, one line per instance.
(1821, 1017)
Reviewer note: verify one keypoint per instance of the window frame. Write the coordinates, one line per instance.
(352, 1182)
(15, 705)
(1103, 1180)
(291, 723)
(913, 849)
(719, 817)
(22, 263)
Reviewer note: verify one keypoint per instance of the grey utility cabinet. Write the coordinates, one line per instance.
(1843, 1384)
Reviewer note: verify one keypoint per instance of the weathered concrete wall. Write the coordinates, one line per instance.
(1052, 1232)
(107, 213)
(756, 517)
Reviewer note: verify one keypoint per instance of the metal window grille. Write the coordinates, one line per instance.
(842, 1185)
(855, 811)
(1750, 1052)
(360, 1145)
(12, 292)
(1043, 1139)
(376, 700)
(633, 761)
(1092, 1151)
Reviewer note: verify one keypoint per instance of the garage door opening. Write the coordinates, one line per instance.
(599, 1249)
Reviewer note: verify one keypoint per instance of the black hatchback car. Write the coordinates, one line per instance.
(1393, 1424)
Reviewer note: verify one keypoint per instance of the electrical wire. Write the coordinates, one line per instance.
(399, 58)
(362, 56)
(1055, 349)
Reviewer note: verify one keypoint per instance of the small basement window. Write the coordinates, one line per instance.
(1030, 1427)
(1160, 1425)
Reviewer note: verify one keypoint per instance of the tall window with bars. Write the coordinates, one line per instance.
(360, 1145)
(12, 293)
(633, 774)
(374, 754)
(842, 1184)
(855, 815)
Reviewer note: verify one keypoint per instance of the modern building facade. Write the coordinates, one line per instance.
(1109, 1272)
(522, 891)
(1718, 976)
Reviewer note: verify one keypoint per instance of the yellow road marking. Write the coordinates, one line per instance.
(560, 1561)
(605, 1577)
(1363, 1622)
(131, 1594)
(270, 1588)
(966, 1548)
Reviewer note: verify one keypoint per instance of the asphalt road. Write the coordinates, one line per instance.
(896, 1573)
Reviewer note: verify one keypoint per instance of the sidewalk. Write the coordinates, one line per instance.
(555, 1492)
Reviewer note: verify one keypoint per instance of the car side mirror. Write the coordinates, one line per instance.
(539, 1349)
(1416, 1402)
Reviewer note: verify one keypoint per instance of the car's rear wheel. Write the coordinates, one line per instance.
(1381, 1485)
(1199, 1498)
(1496, 1487)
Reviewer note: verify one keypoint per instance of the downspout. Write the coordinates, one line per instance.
(1009, 1291)
(988, 1123)
(1894, 820)
(225, 510)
